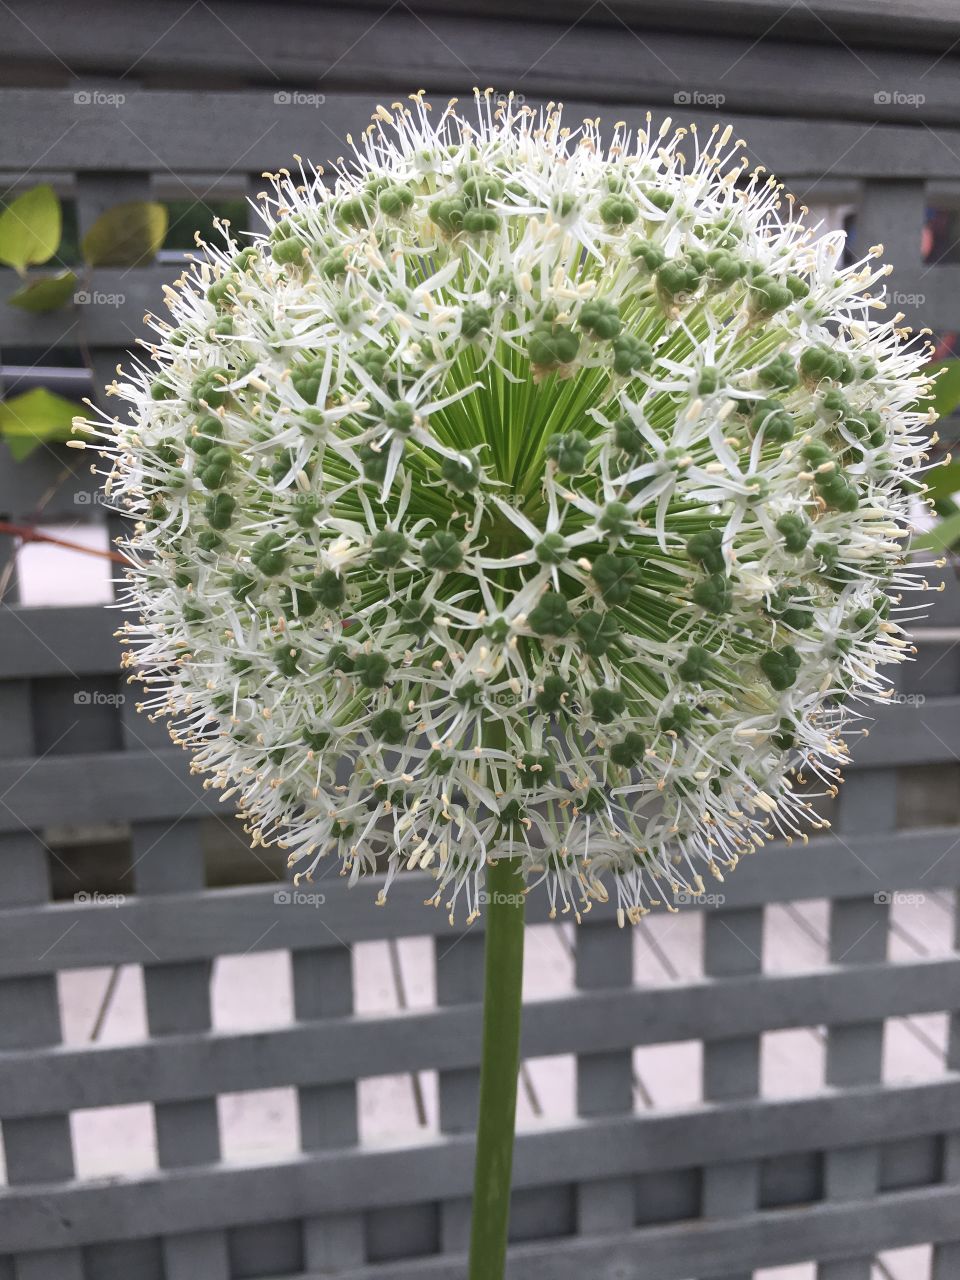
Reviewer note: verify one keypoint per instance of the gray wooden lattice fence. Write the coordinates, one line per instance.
(739, 1182)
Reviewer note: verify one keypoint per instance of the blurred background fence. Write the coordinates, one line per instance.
(203, 1077)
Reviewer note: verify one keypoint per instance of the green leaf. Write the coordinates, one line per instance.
(946, 389)
(128, 235)
(941, 537)
(941, 482)
(30, 228)
(46, 293)
(35, 418)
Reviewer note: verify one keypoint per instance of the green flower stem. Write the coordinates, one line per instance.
(503, 980)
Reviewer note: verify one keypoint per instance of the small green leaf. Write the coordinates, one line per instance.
(946, 389)
(46, 293)
(30, 228)
(35, 418)
(940, 538)
(128, 235)
(943, 481)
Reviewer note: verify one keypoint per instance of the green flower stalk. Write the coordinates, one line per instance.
(517, 497)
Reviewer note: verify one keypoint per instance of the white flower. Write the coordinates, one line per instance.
(517, 494)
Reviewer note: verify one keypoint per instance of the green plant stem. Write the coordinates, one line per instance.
(500, 1064)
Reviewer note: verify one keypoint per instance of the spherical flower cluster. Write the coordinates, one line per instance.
(516, 496)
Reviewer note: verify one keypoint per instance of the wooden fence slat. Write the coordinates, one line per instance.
(459, 961)
(858, 935)
(604, 958)
(37, 1149)
(155, 131)
(182, 927)
(177, 1067)
(166, 857)
(201, 1198)
(708, 1251)
(323, 989)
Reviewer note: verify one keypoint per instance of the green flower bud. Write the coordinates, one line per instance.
(551, 549)
(616, 576)
(676, 280)
(400, 416)
(328, 589)
(615, 520)
(628, 438)
(306, 379)
(219, 509)
(374, 462)
(448, 214)
(628, 753)
(339, 659)
(371, 669)
(442, 552)
(285, 656)
(569, 451)
(706, 548)
(678, 720)
(767, 297)
(606, 704)
(780, 374)
(618, 211)
(388, 549)
(241, 584)
(461, 474)
(388, 726)
(480, 221)
(600, 318)
(395, 200)
(781, 667)
(537, 769)
(647, 254)
(774, 421)
(597, 632)
(695, 665)
(356, 211)
(631, 355)
(416, 616)
(289, 252)
(796, 532)
(551, 347)
(714, 594)
(551, 616)
(552, 695)
(208, 389)
(474, 320)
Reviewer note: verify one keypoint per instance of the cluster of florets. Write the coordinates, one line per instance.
(510, 496)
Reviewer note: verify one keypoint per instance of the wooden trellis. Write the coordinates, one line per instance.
(717, 1190)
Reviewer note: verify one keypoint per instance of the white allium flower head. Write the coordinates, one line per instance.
(521, 495)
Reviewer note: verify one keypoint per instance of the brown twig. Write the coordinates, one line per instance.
(29, 533)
